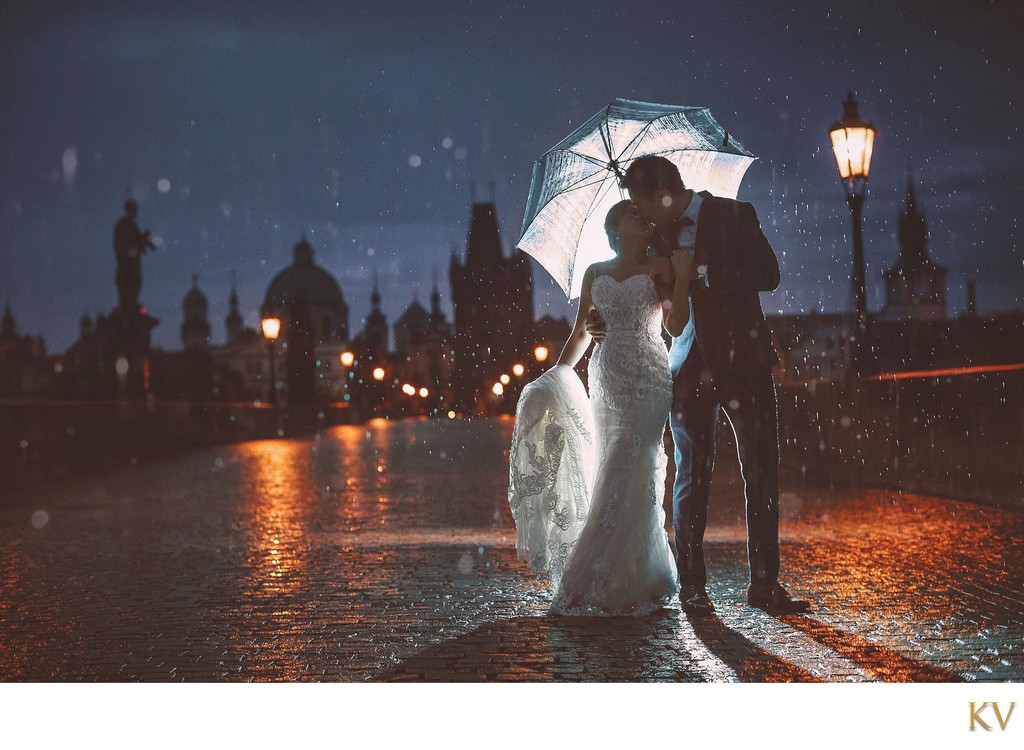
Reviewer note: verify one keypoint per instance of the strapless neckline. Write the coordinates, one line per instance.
(628, 278)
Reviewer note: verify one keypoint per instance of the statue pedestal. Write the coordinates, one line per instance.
(125, 336)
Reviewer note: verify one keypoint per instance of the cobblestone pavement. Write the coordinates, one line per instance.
(385, 552)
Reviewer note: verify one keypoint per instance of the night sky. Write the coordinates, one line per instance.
(239, 126)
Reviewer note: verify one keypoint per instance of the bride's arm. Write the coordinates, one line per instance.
(579, 340)
(675, 309)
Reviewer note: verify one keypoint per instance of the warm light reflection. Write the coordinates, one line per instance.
(541, 353)
(271, 328)
(279, 492)
(347, 358)
(518, 370)
(378, 373)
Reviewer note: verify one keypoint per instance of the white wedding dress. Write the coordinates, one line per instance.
(587, 476)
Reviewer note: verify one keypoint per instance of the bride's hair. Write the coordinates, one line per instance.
(611, 222)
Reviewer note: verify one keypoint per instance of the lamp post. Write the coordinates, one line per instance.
(853, 142)
(271, 330)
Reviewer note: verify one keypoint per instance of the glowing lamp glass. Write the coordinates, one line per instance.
(271, 328)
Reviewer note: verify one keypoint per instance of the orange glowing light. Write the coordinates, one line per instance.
(946, 372)
(541, 353)
(347, 358)
(853, 140)
(424, 393)
(498, 389)
(518, 370)
(408, 390)
(271, 328)
(378, 373)
(504, 379)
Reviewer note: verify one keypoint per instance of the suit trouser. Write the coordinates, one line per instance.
(750, 407)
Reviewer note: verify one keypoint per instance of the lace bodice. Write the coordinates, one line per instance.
(632, 361)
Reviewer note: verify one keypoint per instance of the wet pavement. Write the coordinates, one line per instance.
(384, 552)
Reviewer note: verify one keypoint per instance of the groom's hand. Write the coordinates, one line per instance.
(683, 264)
(596, 326)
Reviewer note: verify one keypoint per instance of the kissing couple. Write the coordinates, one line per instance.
(587, 473)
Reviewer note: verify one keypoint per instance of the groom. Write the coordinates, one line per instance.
(722, 360)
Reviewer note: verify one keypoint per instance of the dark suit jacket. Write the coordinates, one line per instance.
(728, 326)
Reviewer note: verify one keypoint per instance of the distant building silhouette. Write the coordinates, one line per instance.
(234, 323)
(25, 369)
(411, 324)
(915, 287)
(912, 332)
(195, 330)
(424, 355)
(493, 299)
(314, 327)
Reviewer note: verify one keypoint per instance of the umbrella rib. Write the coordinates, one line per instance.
(635, 140)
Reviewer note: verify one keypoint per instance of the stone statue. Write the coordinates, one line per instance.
(129, 245)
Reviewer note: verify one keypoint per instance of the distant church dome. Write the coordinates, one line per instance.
(303, 279)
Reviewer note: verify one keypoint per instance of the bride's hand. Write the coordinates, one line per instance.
(596, 326)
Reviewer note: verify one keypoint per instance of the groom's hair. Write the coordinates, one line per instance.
(648, 173)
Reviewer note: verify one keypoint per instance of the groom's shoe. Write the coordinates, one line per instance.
(695, 600)
(774, 599)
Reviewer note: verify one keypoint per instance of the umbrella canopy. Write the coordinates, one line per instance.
(576, 182)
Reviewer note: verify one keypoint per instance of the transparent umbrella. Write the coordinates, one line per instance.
(576, 182)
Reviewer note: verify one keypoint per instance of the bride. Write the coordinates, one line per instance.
(588, 475)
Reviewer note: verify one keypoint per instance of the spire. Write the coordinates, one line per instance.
(483, 243)
(375, 297)
(435, 297)
(911, 195)
(913, 232)
(302, 253)
(233, 322)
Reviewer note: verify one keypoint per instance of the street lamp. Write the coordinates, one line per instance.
(378, 373)
(853, 142)
(347, 358)
(271, 330)
(518, 370)
(541, 353)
